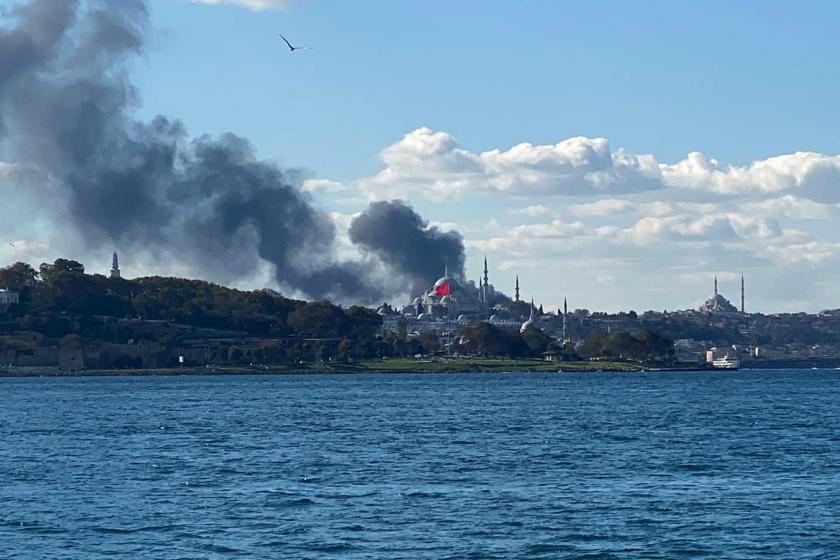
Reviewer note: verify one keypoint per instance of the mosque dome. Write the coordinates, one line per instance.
(423, 317)
(531, 322)
(446, 280)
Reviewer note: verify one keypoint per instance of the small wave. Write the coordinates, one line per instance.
(545, 548)
(298, 503)
(694, 467)
(222, 549)
(421, 494)
(331, 547)
(129, 530)
(40, 529)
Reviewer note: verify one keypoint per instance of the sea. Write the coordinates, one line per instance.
(659, 465)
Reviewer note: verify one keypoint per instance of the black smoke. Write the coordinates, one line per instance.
(395, 233)
(66, 109)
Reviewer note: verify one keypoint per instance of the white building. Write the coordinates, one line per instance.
(7, 298)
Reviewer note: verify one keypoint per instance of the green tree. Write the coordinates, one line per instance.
(429, 343)
(535, 340)
(51, 272)
(18, 277)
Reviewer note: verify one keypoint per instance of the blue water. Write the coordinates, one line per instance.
(653, 465)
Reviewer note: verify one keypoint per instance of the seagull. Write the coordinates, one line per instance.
(292, 48)
(12, 244)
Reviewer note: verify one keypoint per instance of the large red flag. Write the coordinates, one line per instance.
(442, 289)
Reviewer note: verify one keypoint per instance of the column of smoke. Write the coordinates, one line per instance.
(66, 110)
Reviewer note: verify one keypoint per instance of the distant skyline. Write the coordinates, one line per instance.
(620, 154)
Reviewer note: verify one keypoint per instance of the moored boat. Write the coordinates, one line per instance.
(726, 363)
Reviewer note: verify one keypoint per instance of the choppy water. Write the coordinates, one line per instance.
(654, 465)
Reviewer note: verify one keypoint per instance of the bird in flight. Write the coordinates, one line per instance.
(12, 244)
(293, 48)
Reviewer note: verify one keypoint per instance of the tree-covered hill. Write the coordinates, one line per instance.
(61, 299)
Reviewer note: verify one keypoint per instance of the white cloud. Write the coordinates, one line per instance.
(712, 228)
(434, 164)
(535, 211)
(790, 206)
(556, 229)
(817, 175)
(322, 185)
(811, 252)
(23, 249)
(603, 207)
(255, 5)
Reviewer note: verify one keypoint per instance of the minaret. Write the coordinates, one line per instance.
(716, 292)
(743, 298)
(517, 287)
(485, 290)
(115, 266)
(565, 320)
(532, 310)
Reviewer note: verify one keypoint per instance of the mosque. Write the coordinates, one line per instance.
(450, 299)
(719, 304)
(451, 303)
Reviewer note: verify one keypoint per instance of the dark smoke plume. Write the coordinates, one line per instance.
(66, 106)
(398, 235)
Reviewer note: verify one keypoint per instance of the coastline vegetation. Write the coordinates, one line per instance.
(83, 321)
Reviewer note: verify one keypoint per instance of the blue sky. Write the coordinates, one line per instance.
(664, 142)
(739, 81)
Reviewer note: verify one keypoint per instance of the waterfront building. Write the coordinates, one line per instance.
(8, 298)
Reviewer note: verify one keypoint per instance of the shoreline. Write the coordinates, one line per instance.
(394, 366)
(370, 366)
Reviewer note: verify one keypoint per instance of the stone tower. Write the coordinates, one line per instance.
(115, 266)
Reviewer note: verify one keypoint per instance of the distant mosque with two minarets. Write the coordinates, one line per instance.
(719, 304)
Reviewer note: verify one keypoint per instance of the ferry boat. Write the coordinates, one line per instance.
(726, 363)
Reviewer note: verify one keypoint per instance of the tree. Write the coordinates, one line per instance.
(429, 342)
(51, 272)
(643, 345)
(593, 346)
(490, 340)
(18, 277)
(535, 340)
(319, 318)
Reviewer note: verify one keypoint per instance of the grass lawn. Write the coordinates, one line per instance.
(488, 364)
